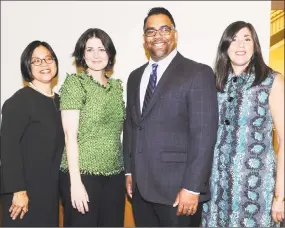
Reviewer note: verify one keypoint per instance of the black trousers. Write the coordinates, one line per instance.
(107, 201)
(148, 214)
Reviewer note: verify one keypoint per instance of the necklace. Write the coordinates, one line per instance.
(44, 93)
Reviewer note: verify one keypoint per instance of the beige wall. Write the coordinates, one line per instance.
(200, 25)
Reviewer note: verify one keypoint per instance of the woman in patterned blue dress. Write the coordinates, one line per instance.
(247, 180)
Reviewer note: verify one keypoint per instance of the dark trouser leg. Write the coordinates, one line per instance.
(196, 219)
(167, 216)
(143, 211)
(94, 187)
(112, 205)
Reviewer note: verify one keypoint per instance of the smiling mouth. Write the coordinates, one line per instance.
(45, 71)
(240, 53)
(161, 44)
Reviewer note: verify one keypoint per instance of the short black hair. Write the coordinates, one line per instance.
(156, 11)
(81, 44)
(26, 59)
(223, 66)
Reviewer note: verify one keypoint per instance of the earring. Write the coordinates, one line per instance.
(110, 62)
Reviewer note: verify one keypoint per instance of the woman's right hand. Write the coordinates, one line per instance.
(79, 197)
(19, 204)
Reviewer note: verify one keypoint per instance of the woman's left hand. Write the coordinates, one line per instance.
(278, 210)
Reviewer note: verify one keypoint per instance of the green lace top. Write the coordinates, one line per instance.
(100, 123)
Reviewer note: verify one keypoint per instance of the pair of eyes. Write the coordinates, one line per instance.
(92, 49)
(38, 61)
(246, 39)
(164, 30)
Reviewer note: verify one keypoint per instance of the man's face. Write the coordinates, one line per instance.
(162, 43)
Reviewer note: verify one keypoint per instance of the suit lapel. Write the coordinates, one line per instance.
(163, 83)
(137, 91)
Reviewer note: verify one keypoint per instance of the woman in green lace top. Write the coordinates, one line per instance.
(91, 177)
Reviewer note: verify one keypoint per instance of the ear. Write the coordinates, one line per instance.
(176, 36)
(143, 37)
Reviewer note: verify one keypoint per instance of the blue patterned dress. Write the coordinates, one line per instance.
(244, 166)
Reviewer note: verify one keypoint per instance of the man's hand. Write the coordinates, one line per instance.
(129, 185)
(19, 205)
(187, 203)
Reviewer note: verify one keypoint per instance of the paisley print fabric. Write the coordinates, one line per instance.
(244, 165)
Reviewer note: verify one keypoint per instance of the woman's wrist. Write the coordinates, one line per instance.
(279, 198)
(75, 179)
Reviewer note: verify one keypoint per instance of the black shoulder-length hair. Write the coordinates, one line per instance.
(80, 46)
(26, 59)
(222, 66)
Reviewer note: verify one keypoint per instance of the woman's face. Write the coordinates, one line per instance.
(241, 49)
(95, 55)
(43, 66)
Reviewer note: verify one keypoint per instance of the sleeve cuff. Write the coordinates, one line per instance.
(195, 193)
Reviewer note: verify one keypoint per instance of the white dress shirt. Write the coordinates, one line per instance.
(162, 65)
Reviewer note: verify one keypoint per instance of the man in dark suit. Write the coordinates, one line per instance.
(170, 130)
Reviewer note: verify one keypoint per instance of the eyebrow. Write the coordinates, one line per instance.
(170, 26)
(39, 57)
(97, 47)
(244, 36)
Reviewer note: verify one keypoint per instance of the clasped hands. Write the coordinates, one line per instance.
(19, 205)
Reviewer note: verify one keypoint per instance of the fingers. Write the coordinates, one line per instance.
(15, 212)
(129, 190)
(79, 198)
(185, 210)
(179, 209)
(24, 211)
(129, 186)
(191, 210)
(79, 206)
(73, 204)
(278, 211)
(87, 197)
(278, 216)
(176, 201)
(11, 208)
(85, 204)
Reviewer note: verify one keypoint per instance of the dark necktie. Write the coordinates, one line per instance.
(150, 87)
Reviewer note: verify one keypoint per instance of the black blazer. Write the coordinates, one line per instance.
(171, 146)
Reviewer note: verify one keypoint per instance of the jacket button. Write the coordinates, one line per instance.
(230, 99)
(139, 127)
(227, 122)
